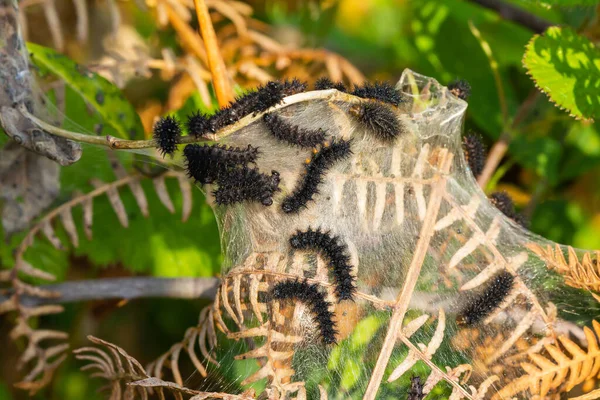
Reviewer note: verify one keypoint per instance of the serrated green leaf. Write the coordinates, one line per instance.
(102, 95)
(566, 66)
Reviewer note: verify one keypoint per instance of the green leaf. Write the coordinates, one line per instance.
(102, 95)
(565, 66)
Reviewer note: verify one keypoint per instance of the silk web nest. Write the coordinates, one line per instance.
(362, 260)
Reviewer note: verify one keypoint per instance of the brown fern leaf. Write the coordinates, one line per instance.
(581, 272)
(561, 369)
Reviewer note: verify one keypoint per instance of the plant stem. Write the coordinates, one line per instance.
(516, 15)
(218, 70)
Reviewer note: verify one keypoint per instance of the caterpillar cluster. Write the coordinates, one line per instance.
(481, 305)
(293, 134)
(378, 119)
(310, 295)
(167, 132)
(475, 153)
(228, 167)
(381, 91)
(460, 88)
(263, 98)
(334, 253)
(315, 169)
(503, 202)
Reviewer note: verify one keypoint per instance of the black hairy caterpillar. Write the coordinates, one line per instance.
(481, 305)
(293, 134)
(378, 119)
(334, 253)
(416, 389)
(309, 294)
(167, 132)
(503, 202)
(246, 184)
(460, 88)
(325, 83)
(475, 153)
(197, 124)
(382, 91)
(315, 168)
(263, 98)
(206, 163)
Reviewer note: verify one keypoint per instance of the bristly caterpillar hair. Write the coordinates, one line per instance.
(263, 98)
(315, 168)
(310, 295)
(382, 91)
(460, 88)
(325, 83)
(246, 184)
(167, 132)
(334, 253)
(481, 305)
(197, 124)
(293, 134)
(416, 389)
(378, 119)
(475, 153)
(206, 163)
(503, 202)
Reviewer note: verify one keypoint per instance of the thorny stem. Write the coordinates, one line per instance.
(414, 271)
(123, 144)
(499, 148)
(218, 70)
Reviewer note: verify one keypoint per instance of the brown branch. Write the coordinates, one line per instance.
(218, 70)
(516, 15)
(122, 288)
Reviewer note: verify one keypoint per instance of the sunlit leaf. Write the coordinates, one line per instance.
(565, 66)
(102, 95)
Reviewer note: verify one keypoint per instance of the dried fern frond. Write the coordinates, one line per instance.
(48, 357)
(581, 272)
(561, 368)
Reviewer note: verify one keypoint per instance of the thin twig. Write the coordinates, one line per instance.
(120, 144)
(122, 288)
(515, 14)
(218, 70)
(499, 148)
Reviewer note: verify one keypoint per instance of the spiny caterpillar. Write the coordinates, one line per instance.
(503, 202)
(293, 134)
(382, 91)
(326, 83)
(246, 184)
(460, 88)
(378, 119)
(315, 168)
(263, 98)
(334, 253)
(167, 133)
(475, 153)
(416, 389)
(207, 163)
(309, 294)
(481, 305)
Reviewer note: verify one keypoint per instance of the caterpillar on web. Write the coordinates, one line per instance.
(315, 169)
(460, 88)
(334, 253)
(416, 389)
(167, 132)
(325, 83)
(475, 152)
(480, 306)
(310, 295)
(503, 202)
(246, 184)
(293, 134)
(378, 119)
(382, 91)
